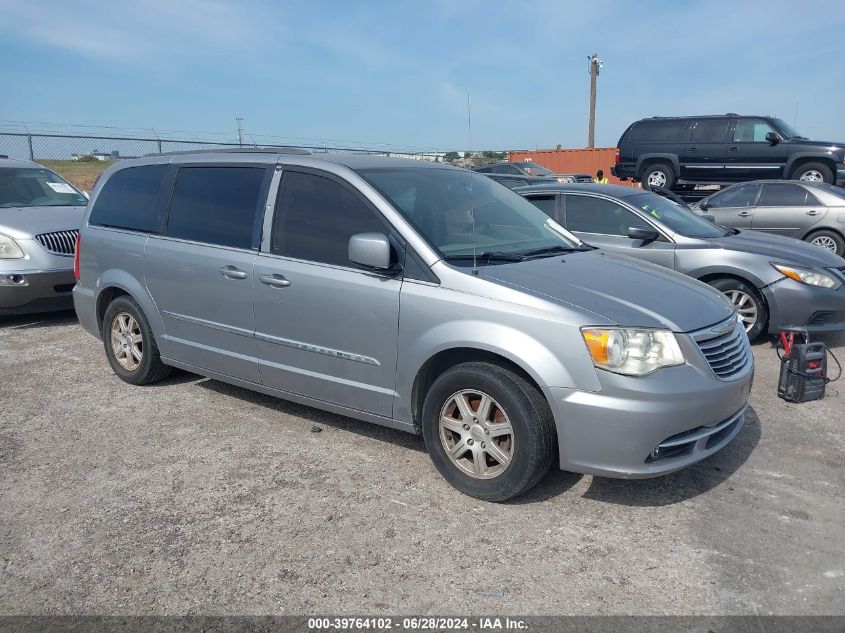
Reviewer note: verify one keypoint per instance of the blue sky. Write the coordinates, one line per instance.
(397, 72)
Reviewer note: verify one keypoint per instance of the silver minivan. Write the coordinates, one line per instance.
(414, 295)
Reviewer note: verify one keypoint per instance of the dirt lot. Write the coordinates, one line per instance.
(196, 497)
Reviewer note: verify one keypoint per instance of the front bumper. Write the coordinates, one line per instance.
(27, 291)
(793, 305)
(684, 410)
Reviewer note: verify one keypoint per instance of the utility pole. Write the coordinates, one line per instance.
(595, 67)
(240, 120)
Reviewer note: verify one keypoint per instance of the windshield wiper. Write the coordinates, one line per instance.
(487, 257)
(552, 250)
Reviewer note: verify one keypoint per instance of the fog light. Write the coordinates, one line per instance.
(12, 280)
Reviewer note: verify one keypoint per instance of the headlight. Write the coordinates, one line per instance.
(9, 249)
(808, 276)
(632, 352)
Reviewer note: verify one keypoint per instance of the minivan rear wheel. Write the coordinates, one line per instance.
(749, 304)
(658, 175)
(130, 345)
(489, 432)
(814, 172)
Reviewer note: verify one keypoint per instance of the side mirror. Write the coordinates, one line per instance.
(647, 235)
(371, 250)
(773, 138)
(87, 194)
(704, 205)
(709, 218)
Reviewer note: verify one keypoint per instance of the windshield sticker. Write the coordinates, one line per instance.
(61, 187)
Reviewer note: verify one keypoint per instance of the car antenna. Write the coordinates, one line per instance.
(471, 191)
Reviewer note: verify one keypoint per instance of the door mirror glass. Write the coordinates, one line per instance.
(371, 250)
(704, 205)
(647, 235)
(772, 138)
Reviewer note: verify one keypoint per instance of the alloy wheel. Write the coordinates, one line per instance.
(476, 434)
(825, 242)
(746, 307)
(657, 179)
(812, 175)
(127, 341)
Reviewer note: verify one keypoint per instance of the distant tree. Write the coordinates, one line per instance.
(87, 158)
(467, 155)
(451, 157)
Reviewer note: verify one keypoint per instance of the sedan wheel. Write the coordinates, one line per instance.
(127, 341)
(825, 242)
(746, 307)
(476, 434)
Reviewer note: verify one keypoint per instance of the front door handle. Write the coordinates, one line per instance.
(813, 212)
(276, 281)
(744, 214)
(693, 149)
(230, 272)
(733, 149)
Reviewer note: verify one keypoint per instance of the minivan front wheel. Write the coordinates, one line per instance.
(658, 175)
(749, 304)
(130, 345)
(489, 432)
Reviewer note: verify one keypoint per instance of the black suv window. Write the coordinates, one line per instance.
(546, 204)
(217, 205)
(596, 215)
(657, 131)
(129, 198)
(751, 131)
(741, 196)
(785, 195)
(709, 131)
(315, 217)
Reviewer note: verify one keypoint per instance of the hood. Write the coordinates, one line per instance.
(26, 222)
(779, 248)
(622, 290)
(826, 144)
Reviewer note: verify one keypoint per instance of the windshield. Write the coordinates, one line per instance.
(533, 169)
(28, 187)
(675, 217)
(787, 129)
(461, 214)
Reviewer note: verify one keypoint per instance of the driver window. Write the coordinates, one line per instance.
(742, 196)
(586, 214)
(751, 131)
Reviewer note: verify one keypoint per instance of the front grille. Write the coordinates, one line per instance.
(59, 242)
(725, 346)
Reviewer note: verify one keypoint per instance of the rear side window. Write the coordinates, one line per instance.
(128, 200)
(316, 216)
(217, 205)
(546, 204)
(586, 214)
(710, 131)
(657, 131)
(735, 197)
(785, 195)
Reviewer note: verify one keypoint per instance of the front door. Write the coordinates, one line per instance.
(750, 156)
(787, 209)
(326, 329)
(200, 272)
(604, 223)
(734, 206)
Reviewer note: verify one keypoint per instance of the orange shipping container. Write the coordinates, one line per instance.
(572, 161)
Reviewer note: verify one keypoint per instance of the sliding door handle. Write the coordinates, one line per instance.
(745, 214)
(230, 272)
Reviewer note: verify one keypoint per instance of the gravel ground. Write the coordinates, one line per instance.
(193, 496)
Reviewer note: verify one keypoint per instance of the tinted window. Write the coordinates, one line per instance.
(545, 203)
(217, 205)
(751, 131)
(506, 169)
(657, 131)
(783, 195)
(486, 169)
(741, 196)
(710, 131)
(36, 188)
(316, 216)
(128, 199)
(533, 169)
(596, 215)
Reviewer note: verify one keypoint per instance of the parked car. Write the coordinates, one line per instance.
(527, 168)
(516, 344)
(40, 214)
(775, 282)
(511, 182)
(672, 151)
(810, 211)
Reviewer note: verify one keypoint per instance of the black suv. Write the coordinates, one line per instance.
(670, 151)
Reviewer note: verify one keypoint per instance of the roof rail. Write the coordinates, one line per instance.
(237, 150)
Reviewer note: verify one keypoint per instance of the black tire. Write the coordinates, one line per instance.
(533, 438)
(728, 284)
(801, 172)
(828, 237)
(661, 172)
(150, 369)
